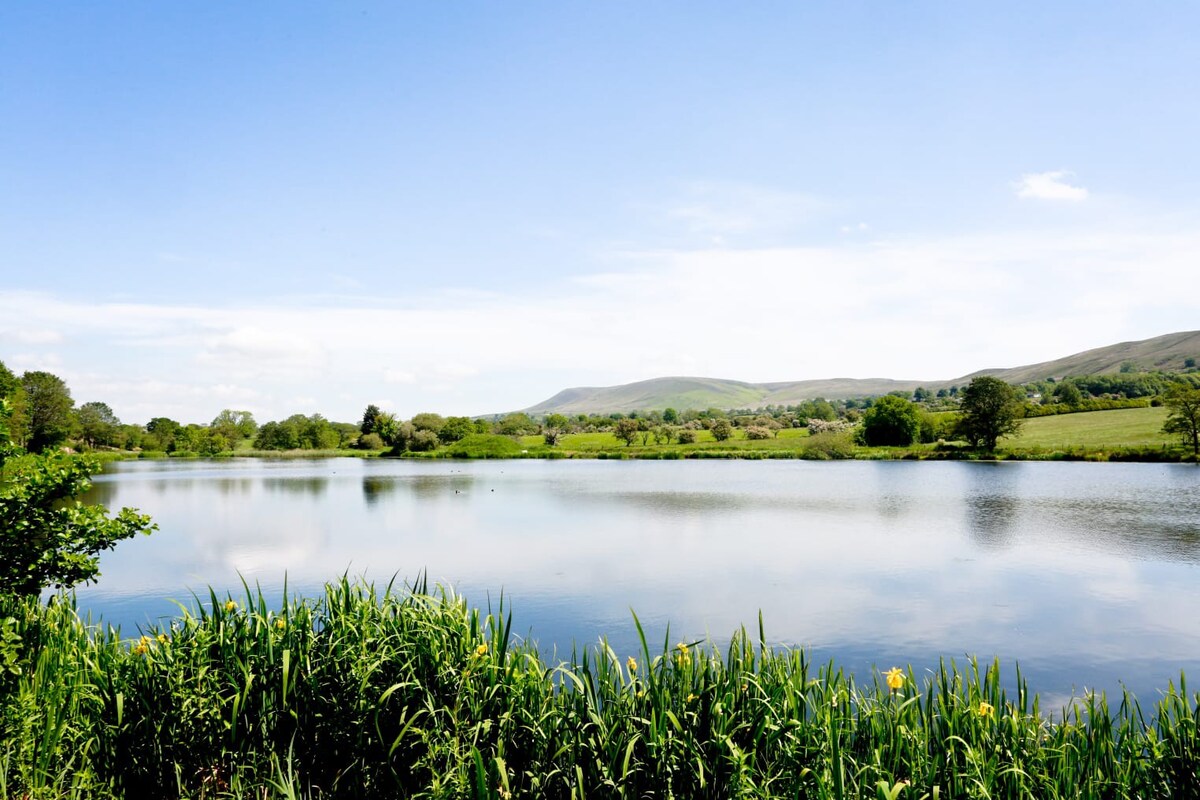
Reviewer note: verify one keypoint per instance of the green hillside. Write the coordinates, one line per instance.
(1168, 352)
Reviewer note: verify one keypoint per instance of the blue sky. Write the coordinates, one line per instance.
(466, 207)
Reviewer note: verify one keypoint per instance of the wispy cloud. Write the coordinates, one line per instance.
(1049, 186)
(721, 210)
(921, 309)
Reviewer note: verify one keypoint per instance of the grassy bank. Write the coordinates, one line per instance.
(1133, 434)
(413, 694)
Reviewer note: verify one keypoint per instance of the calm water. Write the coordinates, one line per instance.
(1086, 574)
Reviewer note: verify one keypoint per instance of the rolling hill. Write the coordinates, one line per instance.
(1160, 353)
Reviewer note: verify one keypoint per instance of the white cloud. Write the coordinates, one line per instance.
(1049, 186)
(719, 210)
(31, 336)
(919, 309)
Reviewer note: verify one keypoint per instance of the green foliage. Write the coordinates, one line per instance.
(298, 432)
(484, 445)
(371, 441)
(455, 429)
(98, 425)
(1068, 393)
(428, 422)
(370, 420)
(516, 425)
(48, 410)
(626, 430)
(1184, 418)
(366, 693)
(234, 426)
(47, 537)
(721, 429)
(990, 409)
(891, 422)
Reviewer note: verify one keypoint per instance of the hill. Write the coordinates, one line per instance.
(1160, 353)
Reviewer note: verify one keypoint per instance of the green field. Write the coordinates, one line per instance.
(1125, 427)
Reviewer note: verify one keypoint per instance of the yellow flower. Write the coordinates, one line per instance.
(280, 624)
(986, 709)
(143, 646)
(641, 693)
(162, 638)
(481, 650)
(230, 605)
(895, 678)
(691, 697)
(632, 664)
(682, 648)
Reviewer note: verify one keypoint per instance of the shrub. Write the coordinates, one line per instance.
(371, 441)
(687, 436)
(758, 432)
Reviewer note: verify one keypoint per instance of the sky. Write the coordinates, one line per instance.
(466, 207)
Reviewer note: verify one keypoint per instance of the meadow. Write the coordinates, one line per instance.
(408, 692)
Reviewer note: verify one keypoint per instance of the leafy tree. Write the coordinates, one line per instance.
(163, 430)
(1068, 393)
(670, 416)
(47, 537)
(9, 383)
(423, 441)
(276, 436)
(98, 425)
(721, 429)
(891, 422)
(990, 409)
(48, 410)
(370, 420)
(456, 429)
(1184, 417)
(626, 430)
(428, 422)
(235, 425)
(517, 424)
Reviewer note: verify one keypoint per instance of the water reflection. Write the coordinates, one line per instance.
(992, 502)
(873, 563)
(314, 486)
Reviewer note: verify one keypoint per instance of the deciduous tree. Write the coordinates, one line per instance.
(990, 408)
(1184, 417)
(47, 537)
(48, 410)
(890, 422)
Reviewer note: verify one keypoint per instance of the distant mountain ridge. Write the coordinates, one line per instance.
(1166, 352)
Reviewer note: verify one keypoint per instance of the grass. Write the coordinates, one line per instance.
(1126, 427)
(411, 693)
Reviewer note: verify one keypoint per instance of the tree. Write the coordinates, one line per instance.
(670, 416)
(1184, 417)
(48, 410)
(553, 426)
(891, 422)
(235, 425)
(370, 420)
(98, 425)
(990, 409)
(1068, 394)
(456, 429)
(47, 537)
(626, 430)
(164, 430)
(721, 429)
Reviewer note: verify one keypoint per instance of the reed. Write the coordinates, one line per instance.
(406, 691)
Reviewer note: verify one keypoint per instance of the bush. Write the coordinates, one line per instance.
(758, 432)
(829, 445)
(687, 436)
(890, 422)
(371, 441)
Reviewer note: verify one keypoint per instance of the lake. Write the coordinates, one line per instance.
(1085, 574)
